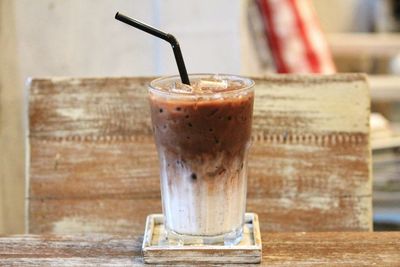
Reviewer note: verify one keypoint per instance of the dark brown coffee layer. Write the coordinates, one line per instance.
(191, 128)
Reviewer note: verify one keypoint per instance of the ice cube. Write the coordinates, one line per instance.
(212, 84)
(181, 88)
(179, 91)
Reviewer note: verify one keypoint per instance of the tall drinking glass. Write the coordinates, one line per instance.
(202, 134)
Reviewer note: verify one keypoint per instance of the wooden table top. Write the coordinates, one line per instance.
(279, 249)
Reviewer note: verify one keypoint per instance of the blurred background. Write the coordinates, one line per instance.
(44, 38)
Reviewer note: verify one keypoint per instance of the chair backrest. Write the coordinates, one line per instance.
(93, 166)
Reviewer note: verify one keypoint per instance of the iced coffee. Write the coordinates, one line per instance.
(202, 133)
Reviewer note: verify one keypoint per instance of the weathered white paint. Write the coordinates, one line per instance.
(352, 102)
(313, 202)
(322, 203)
(72, 113)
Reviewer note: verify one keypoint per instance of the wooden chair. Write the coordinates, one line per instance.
(92, 163)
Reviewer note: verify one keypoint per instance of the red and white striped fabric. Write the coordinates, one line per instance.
(296, 41)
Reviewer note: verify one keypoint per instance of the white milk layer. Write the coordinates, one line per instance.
(204, 196)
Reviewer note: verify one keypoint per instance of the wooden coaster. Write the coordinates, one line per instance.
(157, 250)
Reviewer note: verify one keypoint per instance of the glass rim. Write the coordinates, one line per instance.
(249, 84)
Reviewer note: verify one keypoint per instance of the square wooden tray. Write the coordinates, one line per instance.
(157, 250)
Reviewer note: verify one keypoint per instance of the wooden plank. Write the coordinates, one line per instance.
(128, 215)
(118, 106)
(332, 249)
(92, 158)
(279, 249)
(72, 169)
(128, 167)
(90, 250)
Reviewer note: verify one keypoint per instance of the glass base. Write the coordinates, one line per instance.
(228, 239)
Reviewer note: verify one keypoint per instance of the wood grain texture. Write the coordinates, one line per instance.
(279, 249)
(93, 164)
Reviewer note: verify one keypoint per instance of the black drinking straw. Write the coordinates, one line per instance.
(165, 36)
